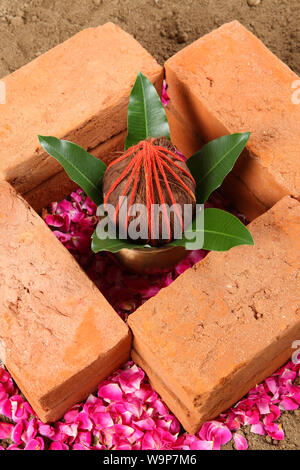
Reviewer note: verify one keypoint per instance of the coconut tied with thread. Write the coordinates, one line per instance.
(153, 177)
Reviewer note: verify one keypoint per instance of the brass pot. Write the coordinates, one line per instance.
(151, 260)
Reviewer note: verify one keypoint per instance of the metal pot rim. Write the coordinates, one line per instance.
(150, 249)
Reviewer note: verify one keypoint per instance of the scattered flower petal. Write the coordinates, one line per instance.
(6, 430)
(240, 442)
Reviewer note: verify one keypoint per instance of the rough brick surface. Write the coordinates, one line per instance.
(79, 91)
(182, 136)
(228, 81)
(225, 324)
(59, 335)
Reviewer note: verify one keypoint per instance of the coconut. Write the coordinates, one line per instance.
(152, 191)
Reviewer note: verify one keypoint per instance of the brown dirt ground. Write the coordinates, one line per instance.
(29, 28)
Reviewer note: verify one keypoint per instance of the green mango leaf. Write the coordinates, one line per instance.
(214, 161)
(224, 231)
(146, 116)
(83, 168)
(221, 232)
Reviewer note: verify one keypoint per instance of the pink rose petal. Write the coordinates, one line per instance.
(258, 429)
(240, 442)
(288, 404)
(275, 431)
(35, 444)
(110, 392)
(216, 432)
(201, 445)
(58, 446)
(6, 430)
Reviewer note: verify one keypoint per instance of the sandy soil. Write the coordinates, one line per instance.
(29, 28)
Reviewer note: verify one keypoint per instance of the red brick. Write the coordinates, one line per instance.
(79, 91)
(225, 324)
(228, 81)
(61, 336)
(182, 136)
